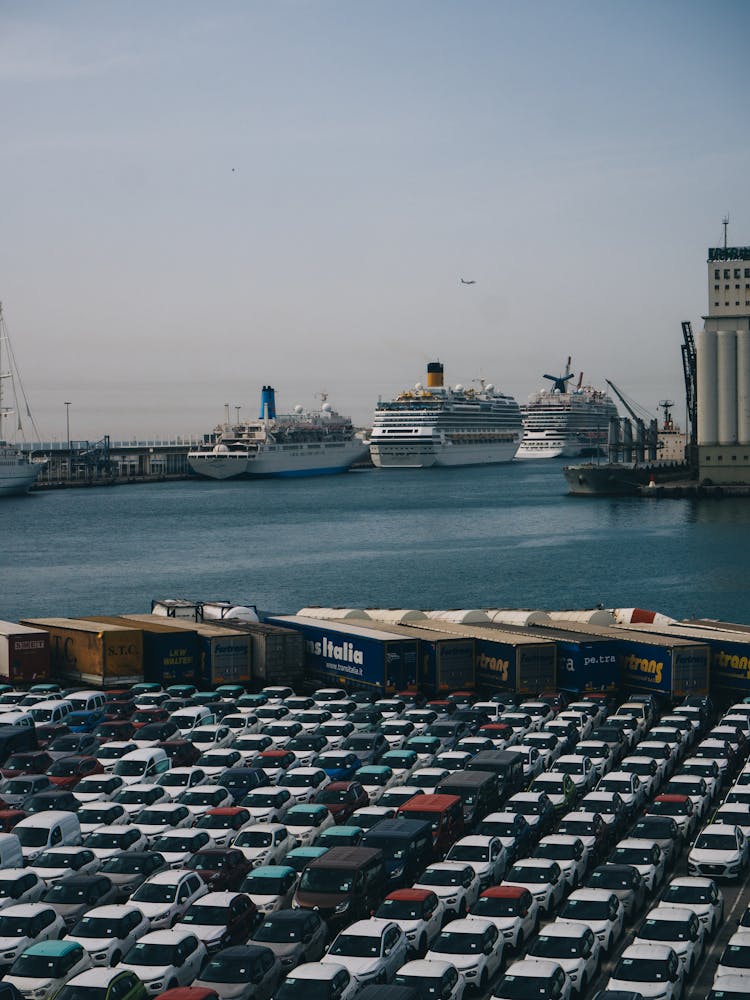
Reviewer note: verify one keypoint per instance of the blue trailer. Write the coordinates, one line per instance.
(446, 661)
(357, 657)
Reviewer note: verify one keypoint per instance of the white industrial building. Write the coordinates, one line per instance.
(723, 370)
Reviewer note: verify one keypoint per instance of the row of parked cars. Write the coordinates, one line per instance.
(256, 845)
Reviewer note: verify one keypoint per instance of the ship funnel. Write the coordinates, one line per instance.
(434, 375)
(267, 403)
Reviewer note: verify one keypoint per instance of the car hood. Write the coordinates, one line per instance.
(148, 972)
(708, 857)
(26, 986)
(461, 962)
(14, 943)
(645, 989)
(152, 910)
(204, 932)
(92, 944)
(357, 966)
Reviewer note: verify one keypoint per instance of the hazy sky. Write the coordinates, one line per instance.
(199, 198)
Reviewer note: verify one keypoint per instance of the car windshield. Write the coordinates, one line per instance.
(455, 943)
(98, 927)
(126, 864)
(498, 828)
(263, 885)
(31, 836)
(468, 852)
(608, 877)
(65, 893)
(528, 808)
(156, 817)
(687, 894)
(231, 969)
(664, 930)
(130, 768)
(204, 862)
(487, 906)
(196, 798)
(305, 817)
(144, 953)
(552, 946)
(326, 880)
(736, 956)
(642, 970)
(154, 892)
(332, 797)
(569, 766)
(401, 909)
(356, 946)
(260, 800)
(633, 856)
(558, 852)
(49, 860)
(105, 840)
(538, 876)
(716, 842)
(37, 967)
(97, 814)
(95, 785)
(293, 780)
(278, 931)
(17, 786)
(178, 845)
(441, 876)
(63, 768)
(523, 987)
(215, 916)
(428, 989)
(112, 753)
(83, 993)
(254, 838)
(176, 779)
(577, 828)
(11, 927)
(586, 909)
(216, 822)
(375, 777)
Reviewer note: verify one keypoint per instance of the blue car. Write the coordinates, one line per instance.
(339, 765)
(84, 722)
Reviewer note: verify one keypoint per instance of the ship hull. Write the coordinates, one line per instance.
(425, 455)
(282, 461)
(17, 479)
(620, 479)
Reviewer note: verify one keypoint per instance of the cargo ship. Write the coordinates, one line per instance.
(292, 444)
(17, 472)
(435, 425)
(563, 422)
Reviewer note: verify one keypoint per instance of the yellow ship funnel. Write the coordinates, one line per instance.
(434, 375)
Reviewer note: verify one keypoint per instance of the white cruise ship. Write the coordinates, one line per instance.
(437, 425)
(560, 421)
(290, 444)
(17, 472)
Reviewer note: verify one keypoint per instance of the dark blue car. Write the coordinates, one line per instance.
(339, 765)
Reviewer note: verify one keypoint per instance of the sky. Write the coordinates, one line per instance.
(201, 198)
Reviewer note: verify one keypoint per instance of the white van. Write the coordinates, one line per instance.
(11, 855)
(50, 712)
(188, 719)
(17, 719)
(53, 828)
(142, 766)
(86, 701)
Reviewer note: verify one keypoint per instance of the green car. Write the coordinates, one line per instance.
(104, 983)
(341, 836)
(300, 857)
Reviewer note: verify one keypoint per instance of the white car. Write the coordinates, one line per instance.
(570, 854)
(201, 798)
(98, 787)
(109, 932)
(733, 814)
(376, 781)
(327, 979)
(647, 770)
(434, 979)
(654, 971)
(371, 950)
(455, 883)
(735, 959)
(282, 732)
(56, 863)
(487, 857)
(165, 897)
(368, 816)
(678, 927)
(599, 909)
(533, 978)
(212, 737)
(94, 815)
(38, 972)
(719, 852)
(548, 744)
(268, 804)
(644, 855)
(271, 887)
(335, 732)
(179, 779)
(137, 797)
(216, 762)
(176, 846)
(109, 753)
(428, 778)
(207, 916)
(418, 912)
(701, 895)
(543, 879)
(581, 769)
(108, 841)
(265, 843)
(696, 788)
(166, 959)
(397, 732)
(25, 924)
(307, 822)
(452, 760)
(575, 946)
(19, 885)
(304, 783)
(512, 909)
(706, 768)
(154, 820)
(223, 824)
(627, 784)
(474, 947)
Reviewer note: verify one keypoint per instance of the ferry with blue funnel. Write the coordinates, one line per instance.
(289, 444)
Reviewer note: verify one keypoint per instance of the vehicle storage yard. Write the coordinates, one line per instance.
(507, 807)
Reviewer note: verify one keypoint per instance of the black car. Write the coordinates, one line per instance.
(74, 745)
(369, 747)
(159, 731)
(57, 798)
(130, 869)
(238, 781)
(182, 753)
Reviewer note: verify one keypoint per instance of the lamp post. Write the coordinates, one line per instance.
(67, 422)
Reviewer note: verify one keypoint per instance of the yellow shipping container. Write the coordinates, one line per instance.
(93, 653)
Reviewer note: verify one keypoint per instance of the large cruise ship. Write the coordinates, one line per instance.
(290, 444)
(560, 421)
(437, 425)
(17, 472)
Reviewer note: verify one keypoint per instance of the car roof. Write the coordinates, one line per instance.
(99, 976)
(504, 892)
(365, 928)
(52, 949)
(410, 895)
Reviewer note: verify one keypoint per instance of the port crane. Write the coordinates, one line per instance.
(646, 427)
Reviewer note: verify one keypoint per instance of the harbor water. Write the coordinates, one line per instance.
(497, 536)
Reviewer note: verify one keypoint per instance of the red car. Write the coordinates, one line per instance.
(342, 798)
(66, 772)
(231, 818)
(9, 818)
(274, 761)
(31, 762)
(145, 715)
(221, 869)
(189, 993)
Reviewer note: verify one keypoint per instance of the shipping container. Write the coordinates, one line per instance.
(171, 654)
(730, 655)
(505, 660)
(277, 654)
(358, 657)
(224, 652)
(446, 661)
(92, 653)
(663, 665)
(24, 654)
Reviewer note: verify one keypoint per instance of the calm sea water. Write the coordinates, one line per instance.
(503, 536)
